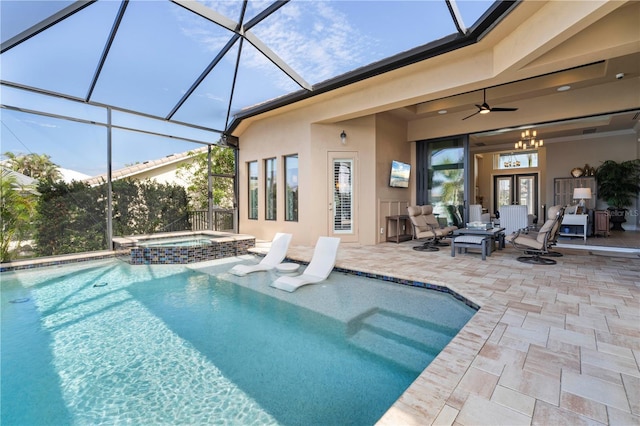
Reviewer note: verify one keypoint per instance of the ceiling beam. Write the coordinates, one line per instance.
(209, 14)
(456, 16)
(96, 104)
(107, 48)
(265, 13)
(44, 24)
(279, 62)
(204, 74)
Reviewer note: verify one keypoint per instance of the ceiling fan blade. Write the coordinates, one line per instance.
(485, 108)
(502, 109)
(469, 116)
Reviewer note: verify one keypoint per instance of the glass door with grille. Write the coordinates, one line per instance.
(341, 202)
(519, 189)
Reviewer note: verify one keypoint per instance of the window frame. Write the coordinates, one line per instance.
(526, 159)
(291, 213)
(271, 188)
(253, 187)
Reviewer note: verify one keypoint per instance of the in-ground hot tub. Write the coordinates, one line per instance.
(183, 247)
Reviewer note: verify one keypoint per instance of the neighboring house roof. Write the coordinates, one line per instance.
(23, 183)
(71, 175)
(147, 166)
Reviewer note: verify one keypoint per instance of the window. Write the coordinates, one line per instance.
(270, 188)
(517, 160)
(253, 189)
(291, 194)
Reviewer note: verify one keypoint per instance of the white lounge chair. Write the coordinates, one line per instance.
(276, 254)
(321, 265)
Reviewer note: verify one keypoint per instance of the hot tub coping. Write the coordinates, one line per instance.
(133, 240)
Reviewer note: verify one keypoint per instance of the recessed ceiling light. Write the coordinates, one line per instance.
(563, 88)
(442, 111)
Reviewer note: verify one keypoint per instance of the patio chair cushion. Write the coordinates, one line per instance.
(418, 219)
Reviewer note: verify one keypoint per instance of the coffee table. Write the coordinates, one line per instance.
(496, 234)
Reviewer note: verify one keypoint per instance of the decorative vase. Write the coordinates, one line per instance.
(617, 218)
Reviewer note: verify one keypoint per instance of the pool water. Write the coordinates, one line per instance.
(109, 343)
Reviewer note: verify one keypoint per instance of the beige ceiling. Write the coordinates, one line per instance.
(518, 93)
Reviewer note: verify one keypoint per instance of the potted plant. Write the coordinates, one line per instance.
(618, 185)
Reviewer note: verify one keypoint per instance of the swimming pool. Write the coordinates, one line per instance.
(108, 342)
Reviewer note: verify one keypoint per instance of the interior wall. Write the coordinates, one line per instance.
(558, 158)
(566, 155)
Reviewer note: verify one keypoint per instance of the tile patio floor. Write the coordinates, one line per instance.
(550, 345)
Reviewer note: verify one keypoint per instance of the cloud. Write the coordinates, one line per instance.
(313, 37)
(41, 124)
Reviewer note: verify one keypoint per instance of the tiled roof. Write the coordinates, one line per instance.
(144, 167)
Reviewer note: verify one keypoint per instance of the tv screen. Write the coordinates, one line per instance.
(399, 175)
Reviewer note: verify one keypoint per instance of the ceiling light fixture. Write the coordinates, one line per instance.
(528, 140)
(563, 88)
(442, 111)
(343, 138)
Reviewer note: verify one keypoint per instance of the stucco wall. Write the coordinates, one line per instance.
(315, 145)
(391, 144)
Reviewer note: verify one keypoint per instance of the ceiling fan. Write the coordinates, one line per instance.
(485, 108)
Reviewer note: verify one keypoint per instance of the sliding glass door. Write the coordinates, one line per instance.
(441, 178)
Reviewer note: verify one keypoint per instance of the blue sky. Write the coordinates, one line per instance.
(161, 49)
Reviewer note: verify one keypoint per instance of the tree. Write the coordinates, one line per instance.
(37, 166)
(70, 218)
(16, 211)
(222, 169)
(450, 179)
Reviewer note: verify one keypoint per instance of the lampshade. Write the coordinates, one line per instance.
(582, 193)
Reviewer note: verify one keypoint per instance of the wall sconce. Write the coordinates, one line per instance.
(343, 138)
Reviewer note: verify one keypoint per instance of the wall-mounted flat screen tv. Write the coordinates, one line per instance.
(399, 174)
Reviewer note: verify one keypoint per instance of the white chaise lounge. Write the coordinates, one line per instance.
(321, 265)
(275, 256)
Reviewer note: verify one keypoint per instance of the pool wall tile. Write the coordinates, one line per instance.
(190, 254)
(223, 245)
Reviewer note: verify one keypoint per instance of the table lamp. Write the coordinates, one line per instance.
(581, 194)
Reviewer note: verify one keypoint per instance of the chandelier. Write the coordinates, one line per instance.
(528, 140)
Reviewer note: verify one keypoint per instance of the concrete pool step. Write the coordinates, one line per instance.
(421, 334)
(410, 342)
(391, 350)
